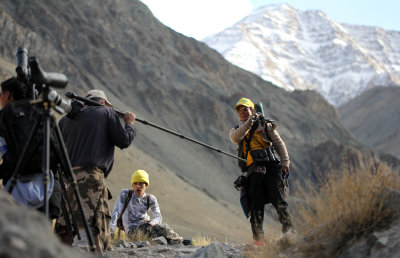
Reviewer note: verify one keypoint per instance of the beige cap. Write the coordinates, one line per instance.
(98, 94)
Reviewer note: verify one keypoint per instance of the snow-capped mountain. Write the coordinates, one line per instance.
(306, 50)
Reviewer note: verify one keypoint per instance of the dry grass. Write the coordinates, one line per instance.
(347, 206)
(138, 236)
(200, 240)
(118, 234)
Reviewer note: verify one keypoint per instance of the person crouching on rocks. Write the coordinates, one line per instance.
(130, 211)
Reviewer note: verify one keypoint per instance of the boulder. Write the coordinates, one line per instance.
(25, 232)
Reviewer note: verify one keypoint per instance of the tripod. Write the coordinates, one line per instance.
(46, 120)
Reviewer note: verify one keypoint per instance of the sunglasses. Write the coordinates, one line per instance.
(242, 109)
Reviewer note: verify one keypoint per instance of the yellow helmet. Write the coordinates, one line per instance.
(245, 102)
(140, 176)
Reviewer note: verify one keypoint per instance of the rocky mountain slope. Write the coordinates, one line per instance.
(307, 50)
(374, 118)
(180, 84)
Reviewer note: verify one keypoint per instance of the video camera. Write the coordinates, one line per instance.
(259, 109)
(36, 145)
(36, 81)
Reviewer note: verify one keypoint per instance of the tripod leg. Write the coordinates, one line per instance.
(69, 174)
(46, 158)
(74, 226)
(67, 221)
(68, 206)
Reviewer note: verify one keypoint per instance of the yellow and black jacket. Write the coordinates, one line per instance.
(263, 137)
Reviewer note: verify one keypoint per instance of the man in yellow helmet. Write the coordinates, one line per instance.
(130, 211)
(258, 139)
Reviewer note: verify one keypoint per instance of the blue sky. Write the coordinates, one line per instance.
(200, 18)
(381, 13)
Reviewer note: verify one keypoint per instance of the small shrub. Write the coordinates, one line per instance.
(137, 236)
(346, 207)
(200, 240)
(118, 234)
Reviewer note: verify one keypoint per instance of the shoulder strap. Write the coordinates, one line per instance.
(128, 198)
(148, 201)
(273, 125)
(242, 164)
(248, 140)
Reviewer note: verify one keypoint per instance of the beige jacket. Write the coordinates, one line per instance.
(238, 134)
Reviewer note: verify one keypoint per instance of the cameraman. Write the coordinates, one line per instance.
(15, 126)
(264, 172)
(90, 136)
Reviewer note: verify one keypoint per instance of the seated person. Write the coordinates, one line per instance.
(134, 213)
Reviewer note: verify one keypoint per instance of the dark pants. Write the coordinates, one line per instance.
(264, 189)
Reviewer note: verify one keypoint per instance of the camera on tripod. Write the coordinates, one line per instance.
(38, 82)
(36, 149)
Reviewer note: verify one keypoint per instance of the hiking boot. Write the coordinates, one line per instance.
(174, 241)
(110, 248)
(258, 242)
(286, 228)
(187, 242)
(289, 238)
(291, 232)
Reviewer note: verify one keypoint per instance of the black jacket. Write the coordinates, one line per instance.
(91, 137)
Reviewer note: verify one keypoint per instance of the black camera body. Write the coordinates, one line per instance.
(36, 81)
(240, 183)
(19, 117)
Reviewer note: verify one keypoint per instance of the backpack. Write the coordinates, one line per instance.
(16, 122)
(264, 156)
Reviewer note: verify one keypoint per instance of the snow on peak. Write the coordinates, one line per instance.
(306, 50)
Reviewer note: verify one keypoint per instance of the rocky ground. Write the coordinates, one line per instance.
(144, 249)
(380, 243)
(162, 249)
(26, 233)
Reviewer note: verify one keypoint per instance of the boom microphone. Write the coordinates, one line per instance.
(90, 102)
(121, 114)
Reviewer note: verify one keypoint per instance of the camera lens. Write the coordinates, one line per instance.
(59, 101)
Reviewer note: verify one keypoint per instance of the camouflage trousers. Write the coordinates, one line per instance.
(94, 195)
(156, 231)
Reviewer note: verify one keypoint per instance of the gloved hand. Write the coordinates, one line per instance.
(76, 107)
(285, 170)
(254, 118)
